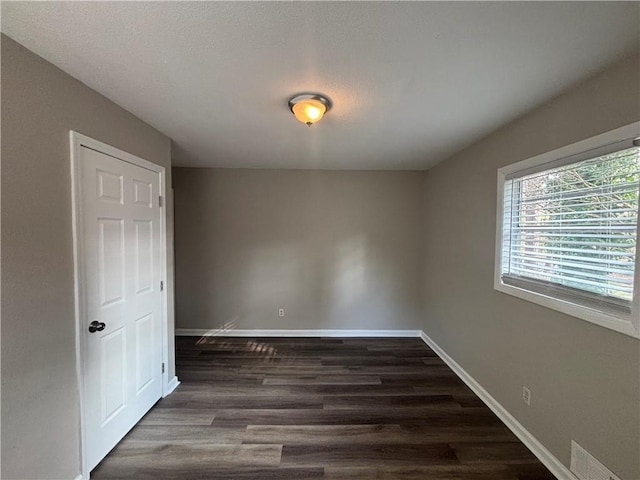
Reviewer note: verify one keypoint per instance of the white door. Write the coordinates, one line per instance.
(120, 271)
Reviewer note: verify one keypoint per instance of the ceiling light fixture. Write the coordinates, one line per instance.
(309, 108)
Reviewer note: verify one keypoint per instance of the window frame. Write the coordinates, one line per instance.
(628, 324)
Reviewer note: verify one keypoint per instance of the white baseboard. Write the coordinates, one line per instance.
(549, 460)
(295, 333)
(171, 386)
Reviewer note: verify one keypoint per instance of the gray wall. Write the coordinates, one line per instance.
(40, 104)
(336, 249)
(584, 379)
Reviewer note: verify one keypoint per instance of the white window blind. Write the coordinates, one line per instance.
(569, 228)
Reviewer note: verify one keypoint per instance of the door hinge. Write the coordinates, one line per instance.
(162, 367)
(161, 285)
(160, 201)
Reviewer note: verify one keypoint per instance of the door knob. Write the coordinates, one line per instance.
(96, 326)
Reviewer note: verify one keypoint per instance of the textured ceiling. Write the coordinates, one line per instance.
(411, 83)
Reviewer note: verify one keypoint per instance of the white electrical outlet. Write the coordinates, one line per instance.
(526, 395)
(281, 312)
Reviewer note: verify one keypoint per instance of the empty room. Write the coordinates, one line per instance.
(320, 240)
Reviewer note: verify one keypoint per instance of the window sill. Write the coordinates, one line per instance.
(624, 325)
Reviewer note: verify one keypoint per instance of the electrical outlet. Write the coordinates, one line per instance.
(526, 395)
(281, 312)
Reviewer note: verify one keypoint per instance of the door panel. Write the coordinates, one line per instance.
(110, 186)
(144, 256)
(112, 259)
(144, 349)
(143, 193)
(114, 374)
(120, 249)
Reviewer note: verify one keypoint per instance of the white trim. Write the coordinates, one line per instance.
(165, 291)
(173, 384)
(628, 324)
(549, 460)
(197, 332)
(77, 140)
(78, 304)
(79, 477)
(584, 313)
(619, 134)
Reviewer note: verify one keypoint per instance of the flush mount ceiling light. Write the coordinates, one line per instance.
(309, 107)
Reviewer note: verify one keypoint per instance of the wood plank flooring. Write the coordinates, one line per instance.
(318, 408)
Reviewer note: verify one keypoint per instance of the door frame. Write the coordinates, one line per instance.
(77, 141)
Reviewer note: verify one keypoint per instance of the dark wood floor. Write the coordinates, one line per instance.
(318, 408)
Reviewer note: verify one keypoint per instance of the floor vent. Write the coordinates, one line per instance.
(586, 467)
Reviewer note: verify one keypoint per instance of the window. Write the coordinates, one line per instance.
(568, 228)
